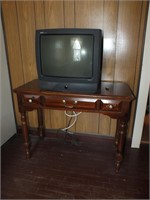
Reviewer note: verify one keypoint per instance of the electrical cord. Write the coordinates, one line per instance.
(75, 116)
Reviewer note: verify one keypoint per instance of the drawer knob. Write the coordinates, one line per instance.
(30, 100)
(110, 106)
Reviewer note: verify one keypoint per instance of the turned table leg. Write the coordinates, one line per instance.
(41, 128)
(25, 134)
(117, 133)
(121, 137)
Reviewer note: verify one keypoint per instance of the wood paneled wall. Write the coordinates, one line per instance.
(123, 24)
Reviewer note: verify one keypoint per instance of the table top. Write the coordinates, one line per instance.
(113, 89)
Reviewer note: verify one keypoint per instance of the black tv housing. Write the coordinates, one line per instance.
(69, 60)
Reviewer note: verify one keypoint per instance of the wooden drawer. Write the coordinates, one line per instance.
(70, 103)
(31, 100)
(110, 105)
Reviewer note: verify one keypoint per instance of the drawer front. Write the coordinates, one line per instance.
(31, 100)
(67, 103)
(110, 105)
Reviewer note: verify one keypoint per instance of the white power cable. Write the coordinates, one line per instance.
(75, 116)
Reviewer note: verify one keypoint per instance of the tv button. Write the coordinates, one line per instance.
(66, 86)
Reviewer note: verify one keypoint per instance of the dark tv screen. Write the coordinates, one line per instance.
(67, 55)
(69, 60)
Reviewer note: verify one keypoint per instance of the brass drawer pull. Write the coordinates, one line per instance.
(31, 100)
(67, 106)
(110, 106)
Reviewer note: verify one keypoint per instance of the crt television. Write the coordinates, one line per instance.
(69, 60)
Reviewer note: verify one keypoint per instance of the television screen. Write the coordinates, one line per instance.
(67, 55)
(69, 59)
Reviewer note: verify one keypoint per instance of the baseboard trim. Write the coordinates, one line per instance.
(8, 141)
(55, 133)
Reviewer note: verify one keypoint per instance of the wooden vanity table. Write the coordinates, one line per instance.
(114, 99)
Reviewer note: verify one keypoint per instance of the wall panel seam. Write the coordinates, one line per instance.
(20, 42)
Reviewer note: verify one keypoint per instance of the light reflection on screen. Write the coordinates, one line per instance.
(67, 55)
